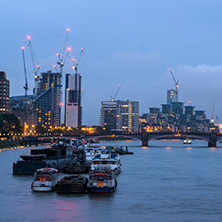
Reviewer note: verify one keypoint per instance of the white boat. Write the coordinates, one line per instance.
(91, 152)
(102, 181)
(107, 161)
(187, 141)
(45, 179)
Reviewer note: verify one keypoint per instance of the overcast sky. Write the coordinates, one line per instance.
(133, 43)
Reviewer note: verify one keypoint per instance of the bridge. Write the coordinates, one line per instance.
(211, 138)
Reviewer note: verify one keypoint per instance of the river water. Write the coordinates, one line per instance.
(168, 181)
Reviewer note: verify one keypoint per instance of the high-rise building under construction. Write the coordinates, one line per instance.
(73, 108)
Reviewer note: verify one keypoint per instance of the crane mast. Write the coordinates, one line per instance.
(76, 64)
(35, 64)
(212, 115)
(63, 54)
(113, 98)
(24, 64)
(176, 82)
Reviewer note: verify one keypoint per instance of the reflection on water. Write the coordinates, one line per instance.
(158, 183)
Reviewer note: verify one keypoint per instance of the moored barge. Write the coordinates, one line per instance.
(72, 184)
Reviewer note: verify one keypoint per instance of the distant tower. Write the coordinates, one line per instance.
(4, 93)
(172, 96)
(73, 108)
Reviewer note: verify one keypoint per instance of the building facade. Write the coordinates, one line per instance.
(49, 99)
(73, 108)
(110, 115)
(4, 93)
(23, 108)
(172, 96)
(120, 115)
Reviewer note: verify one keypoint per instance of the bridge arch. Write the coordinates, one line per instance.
(116, 136)
(175, 136)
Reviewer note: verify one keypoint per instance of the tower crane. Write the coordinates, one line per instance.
(54, 66)
(113, 98)
(76, 61)
(26, 81)
(63, 54)
(82, 92)
(35, 64)
(212, 115)
(176, 82)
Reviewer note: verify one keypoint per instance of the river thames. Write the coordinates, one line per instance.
(168, 181)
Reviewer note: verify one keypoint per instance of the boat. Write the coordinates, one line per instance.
(36, 157)
(122, 150)
(187, 141)
(102, 181)
(94, 140)
(72, 184)
(107, 160)
(75, 168)
(45, 179)
(75, 142)
(91, 152)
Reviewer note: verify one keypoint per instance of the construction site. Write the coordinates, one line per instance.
(174, 116)
(52, 102)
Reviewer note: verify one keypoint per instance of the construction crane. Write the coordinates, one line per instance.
(82, 92)
(212, 115)
(113, 98)
(63, 54)
(26, 81)
(76, 61)
(176, 82)
(35, 64)
(54, 66)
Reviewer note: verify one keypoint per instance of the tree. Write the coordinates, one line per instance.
(11, 124)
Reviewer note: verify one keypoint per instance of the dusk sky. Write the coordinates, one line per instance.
(133, 43)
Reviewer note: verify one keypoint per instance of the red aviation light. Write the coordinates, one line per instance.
(23, 48)
(61, 103)
(68, 30)
(38, 66)
(54, 66)
(57, 54)
(69, 49)
(29, 37)
(73, 60)
(82, 48)
(169, 69)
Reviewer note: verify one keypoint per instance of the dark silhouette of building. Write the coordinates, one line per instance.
(4, 93)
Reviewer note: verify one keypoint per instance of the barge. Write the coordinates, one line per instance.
(72, 184)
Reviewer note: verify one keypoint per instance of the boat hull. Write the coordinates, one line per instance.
(42, 189)
(101, 190)
(71, 188)
(76, 169)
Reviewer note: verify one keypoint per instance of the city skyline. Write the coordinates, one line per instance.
(125, 43)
